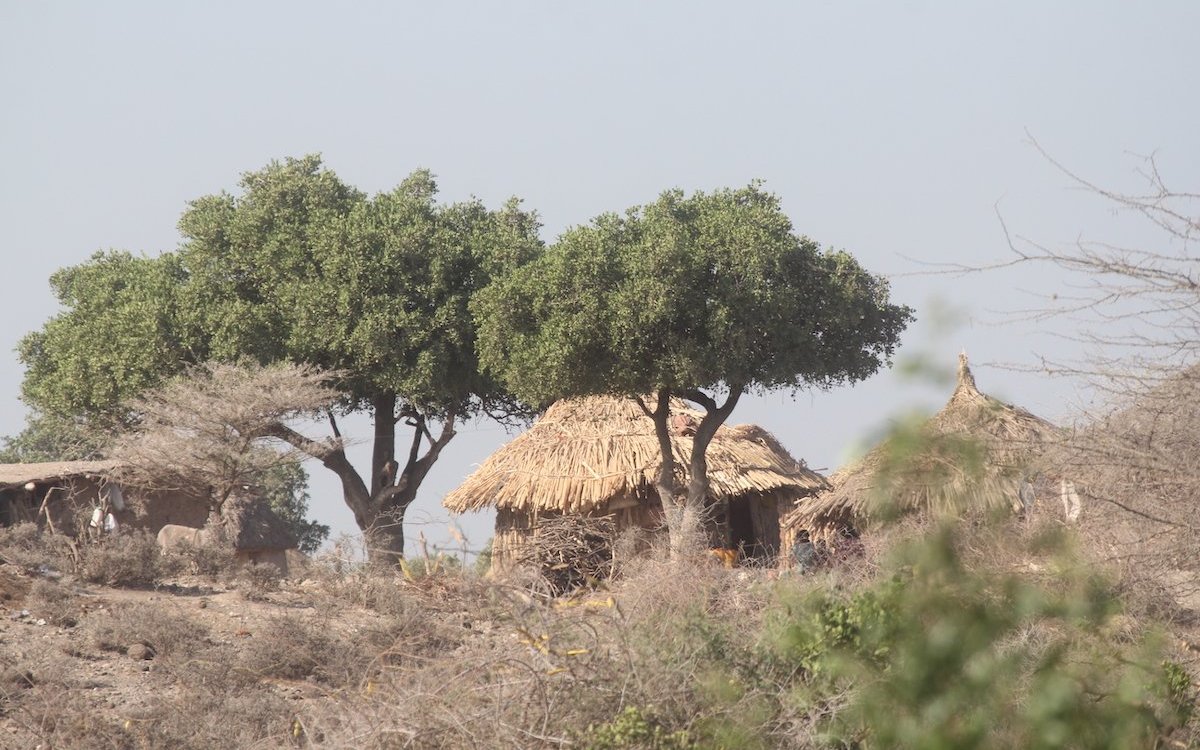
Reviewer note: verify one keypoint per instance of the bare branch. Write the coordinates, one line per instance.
(222, 426)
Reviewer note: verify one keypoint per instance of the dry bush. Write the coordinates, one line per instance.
(54, 602)
(170, 634)
(212, 427)
(25, 545)
(256, 582)
(540, 672)
(295, 648)
(378, 590)
(209, 559)
(127, 559)
(209, 716)
(198, 717)
(68, 720)
(1135, 473)
(569, 552)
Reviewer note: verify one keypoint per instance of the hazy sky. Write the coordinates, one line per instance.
(894, 130)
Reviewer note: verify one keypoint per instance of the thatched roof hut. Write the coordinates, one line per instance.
(257, 534)
(251, 525)
(598, 455)
(51, 492)
(974, 453)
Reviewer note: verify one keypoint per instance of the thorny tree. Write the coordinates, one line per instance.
(212, 429)
(301, 268)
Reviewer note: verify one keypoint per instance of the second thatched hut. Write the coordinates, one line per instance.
(977, 452)
(598, 456)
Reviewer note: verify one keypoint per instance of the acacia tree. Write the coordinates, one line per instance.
(301, 267)
(212, 429)
(704, 297)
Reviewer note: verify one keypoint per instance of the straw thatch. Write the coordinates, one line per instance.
(599, 455)
(974, 453)
(585, 453)
(16, 475)
(251, 525)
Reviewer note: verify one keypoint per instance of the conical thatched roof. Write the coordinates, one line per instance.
(250, 524)
(584, 452)
(972, 453)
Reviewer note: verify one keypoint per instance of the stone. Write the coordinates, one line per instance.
(140, 652)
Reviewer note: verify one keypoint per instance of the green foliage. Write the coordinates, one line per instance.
(634, 729)
(121, 331)
(303, 267)
(285, 488)
(50, 437)
(815, 630)
(947, 656)
(1181, 695)
(687, 292)
(297, 268)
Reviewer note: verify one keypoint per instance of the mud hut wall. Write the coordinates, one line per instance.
(764, 514)
(16, 506)
(157, 509)
(70, 503)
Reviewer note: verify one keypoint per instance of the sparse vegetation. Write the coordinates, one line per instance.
(970, 634)
(967, 621)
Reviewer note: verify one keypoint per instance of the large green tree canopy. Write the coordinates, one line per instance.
(300, 267)
(693, 296)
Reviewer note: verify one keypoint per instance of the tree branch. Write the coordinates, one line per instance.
(333, 425)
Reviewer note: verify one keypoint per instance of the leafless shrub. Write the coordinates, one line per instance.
(214, 427)
(209, 715)
(295, 648)
(256, 582)
(1136, 475)
(54, 602)
(126, 559)
(208, 559)
(25, 545)
(1136, 311)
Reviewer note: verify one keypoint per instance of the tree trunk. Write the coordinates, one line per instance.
(384, 535)
(379, 507)
(699, 504)
(683, 523)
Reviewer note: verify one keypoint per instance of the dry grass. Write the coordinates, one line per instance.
(685, 652)
(170, 634)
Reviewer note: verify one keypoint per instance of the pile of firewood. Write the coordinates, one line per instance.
(570, 552)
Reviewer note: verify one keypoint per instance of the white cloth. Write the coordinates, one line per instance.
(1070, 500)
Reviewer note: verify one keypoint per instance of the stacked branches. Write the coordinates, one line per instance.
(570, 552)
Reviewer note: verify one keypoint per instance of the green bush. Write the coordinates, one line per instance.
(946, 656)
(634, 729)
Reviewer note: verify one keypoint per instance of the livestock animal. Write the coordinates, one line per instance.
(727, 557)
(173, 535)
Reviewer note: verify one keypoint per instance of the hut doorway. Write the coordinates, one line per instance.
(741, 528)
